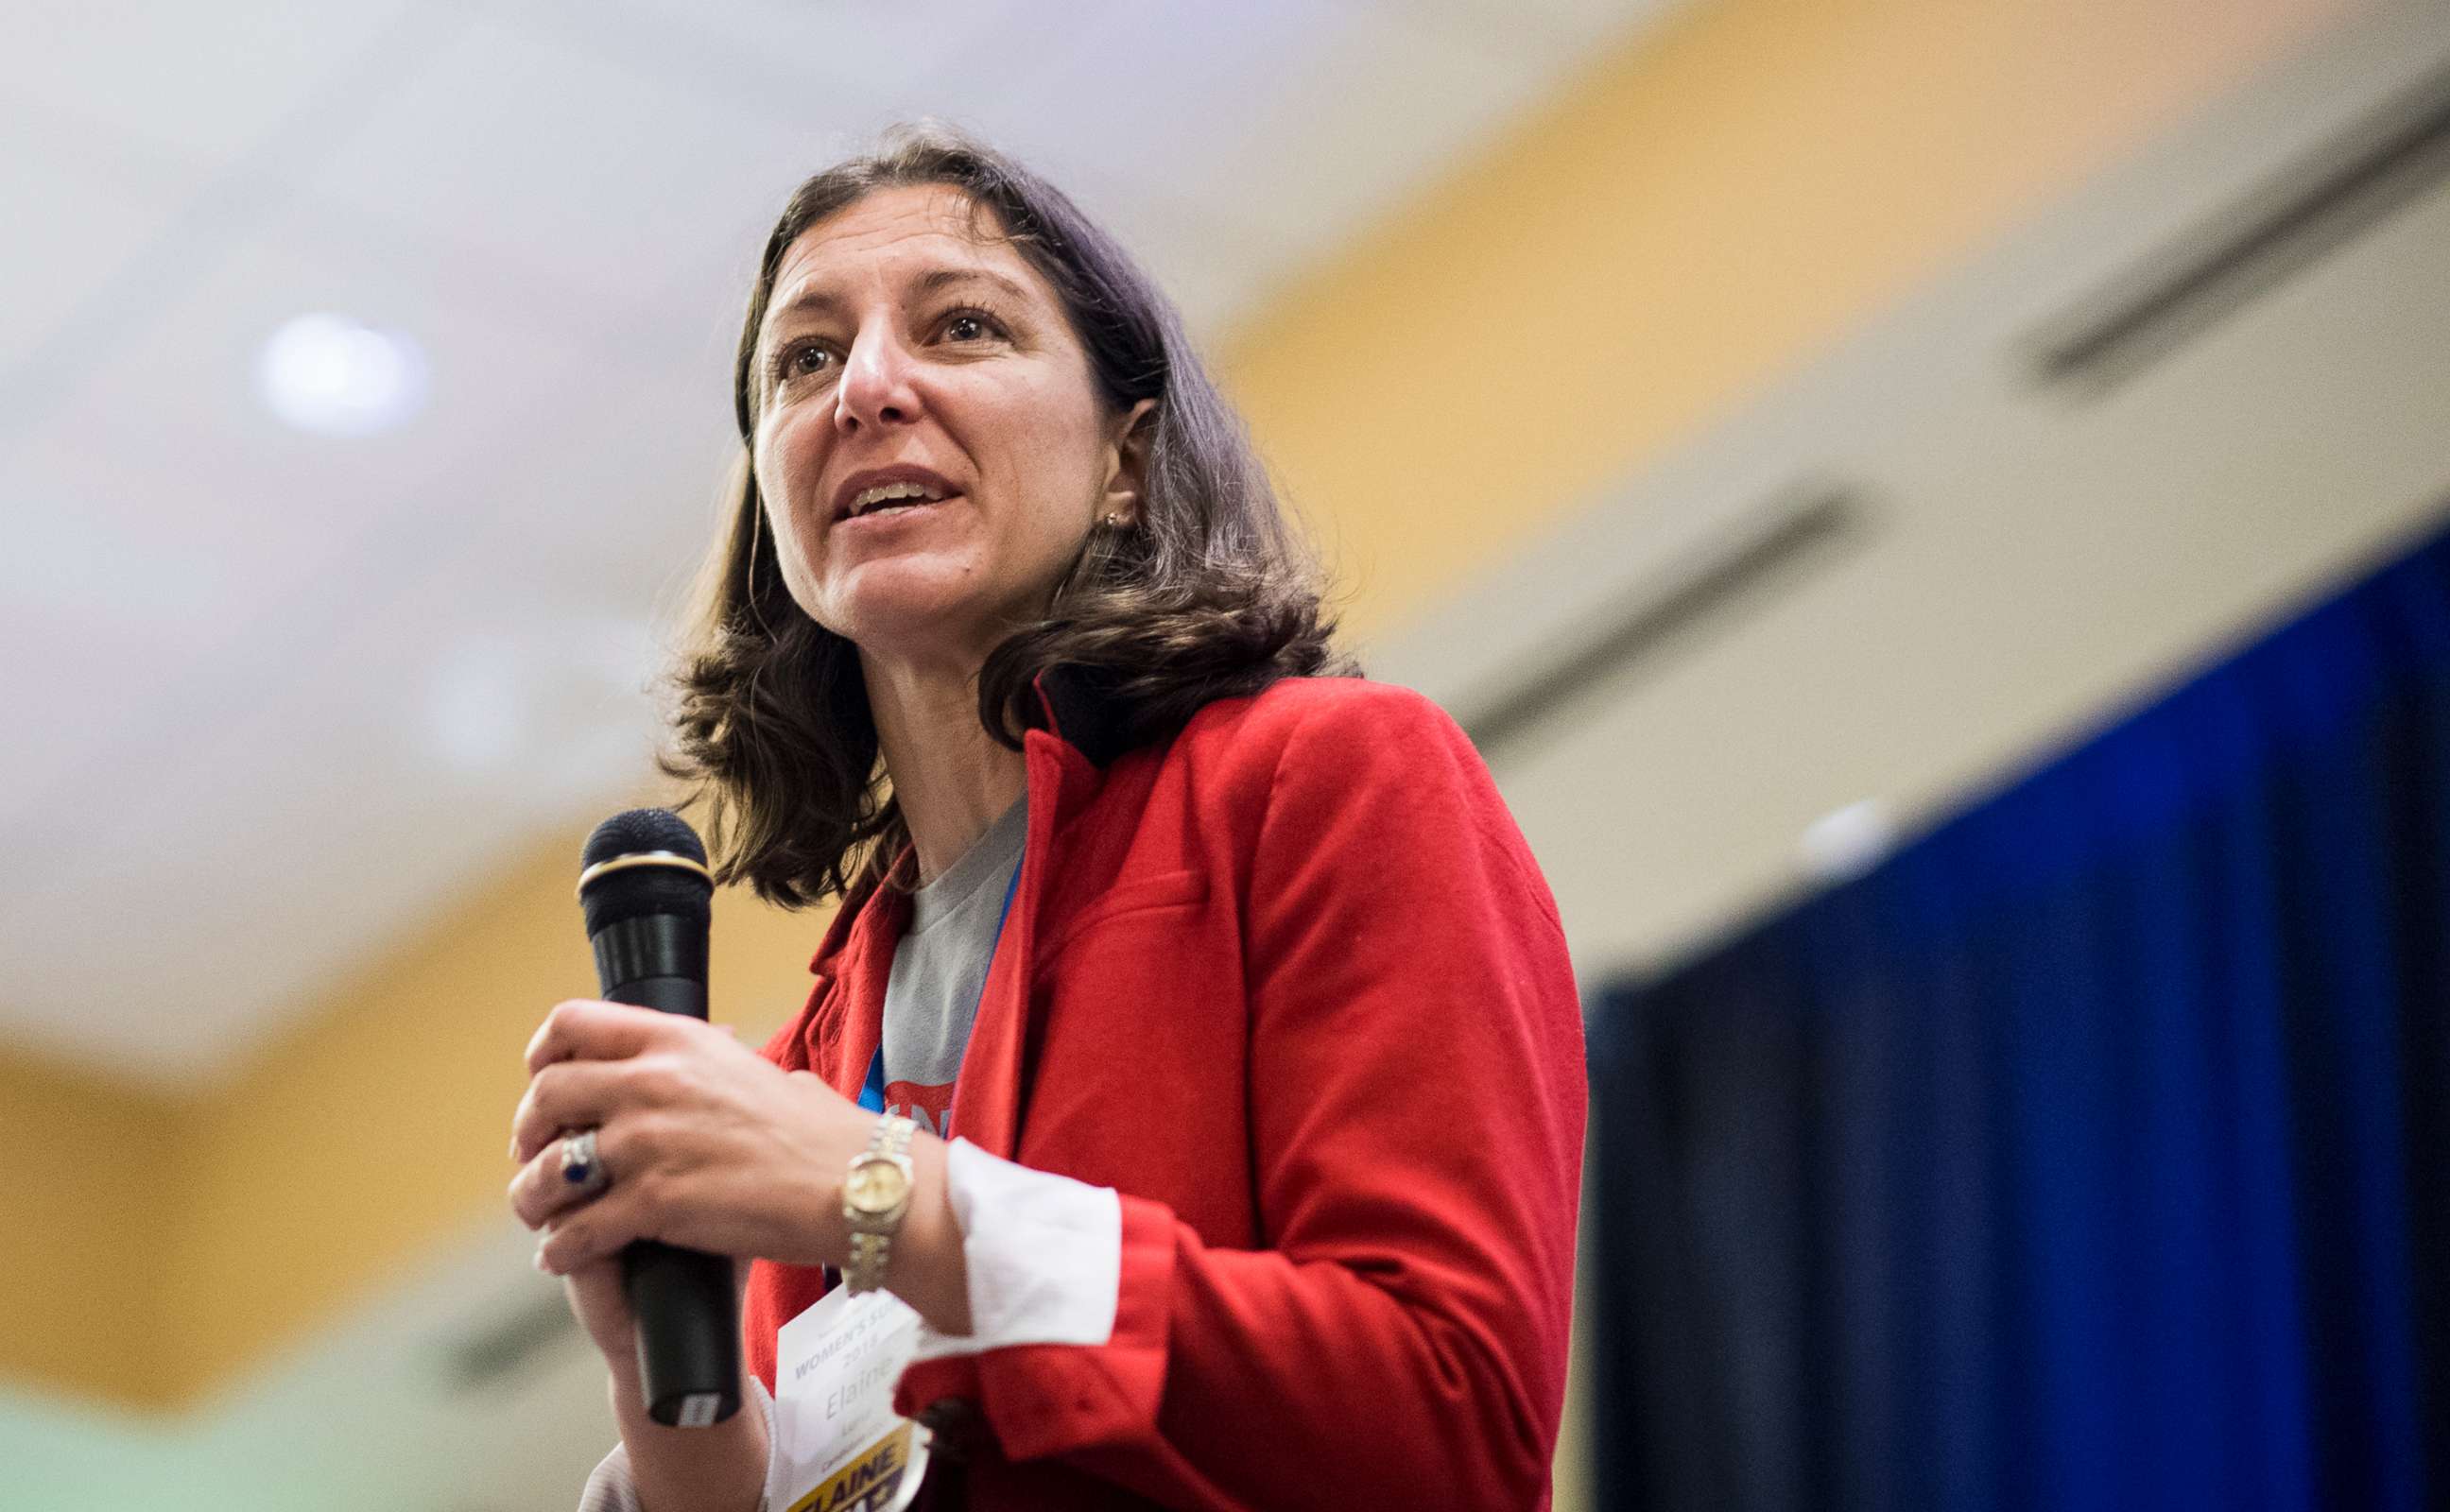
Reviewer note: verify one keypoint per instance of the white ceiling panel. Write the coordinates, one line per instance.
(96, 211)
(615, 194)
(105, 612)
(569, 519)
(283, 526)
(847, 62)
(196, 564)
(1555, 31)
(204, 82)
(182, 386)
(446, 728)
(827, 79)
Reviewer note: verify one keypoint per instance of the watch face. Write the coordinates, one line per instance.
(875, 1186)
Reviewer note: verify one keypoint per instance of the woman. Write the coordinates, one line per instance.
(1232, 1018)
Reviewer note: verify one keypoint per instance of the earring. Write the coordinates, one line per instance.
(1113, 520)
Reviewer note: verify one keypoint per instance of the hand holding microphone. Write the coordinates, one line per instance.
(649, 1134)
(648, 899)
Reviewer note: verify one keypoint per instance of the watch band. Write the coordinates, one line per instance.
(871, 1231)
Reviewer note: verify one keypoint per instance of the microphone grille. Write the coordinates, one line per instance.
(632, 892)
(640, 830)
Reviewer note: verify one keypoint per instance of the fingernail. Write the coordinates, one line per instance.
(539, 1262)
(514, 1147)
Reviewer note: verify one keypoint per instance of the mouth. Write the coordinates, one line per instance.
(889, 491)
(895, 509)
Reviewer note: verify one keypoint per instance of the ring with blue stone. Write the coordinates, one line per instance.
(579, 1165)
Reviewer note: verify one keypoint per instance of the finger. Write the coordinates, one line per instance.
(570, 1095)
(584, 1029)
(543, 1189)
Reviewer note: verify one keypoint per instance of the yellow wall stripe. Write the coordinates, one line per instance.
(88, 1192)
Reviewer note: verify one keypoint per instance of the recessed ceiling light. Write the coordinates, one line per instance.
(328, 374)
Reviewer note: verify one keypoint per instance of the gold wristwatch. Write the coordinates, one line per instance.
(876, 1193)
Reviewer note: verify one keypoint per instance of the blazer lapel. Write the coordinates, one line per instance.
(845, 1040)
(1066, 761)
(989, 1095)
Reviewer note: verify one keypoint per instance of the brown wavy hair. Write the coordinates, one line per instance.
(1206, 594)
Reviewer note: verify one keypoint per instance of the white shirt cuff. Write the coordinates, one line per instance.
(1044, 1254)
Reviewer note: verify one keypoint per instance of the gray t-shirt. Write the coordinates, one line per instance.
(940, 967)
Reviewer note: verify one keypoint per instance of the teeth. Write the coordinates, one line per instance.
(868, 499)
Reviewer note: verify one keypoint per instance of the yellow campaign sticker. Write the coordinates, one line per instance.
(870, 1482)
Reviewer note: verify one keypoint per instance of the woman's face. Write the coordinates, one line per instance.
(931, 447)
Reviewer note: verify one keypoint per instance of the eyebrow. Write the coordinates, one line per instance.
(933, 281)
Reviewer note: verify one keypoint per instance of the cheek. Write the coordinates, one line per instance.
(773, 516)
(786, 461)
(776, 464)
(1057, 454)
(778, 520)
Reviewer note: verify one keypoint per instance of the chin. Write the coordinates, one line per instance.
(899, 610)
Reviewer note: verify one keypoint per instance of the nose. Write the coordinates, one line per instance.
(876, 387)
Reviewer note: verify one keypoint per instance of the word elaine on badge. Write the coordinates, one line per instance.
(872, 1483)
(869, 1378)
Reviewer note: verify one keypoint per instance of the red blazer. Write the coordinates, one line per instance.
(1293, 986)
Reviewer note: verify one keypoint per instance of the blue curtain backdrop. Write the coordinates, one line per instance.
(2091, 1152)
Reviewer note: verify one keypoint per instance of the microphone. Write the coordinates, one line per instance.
(648, 898)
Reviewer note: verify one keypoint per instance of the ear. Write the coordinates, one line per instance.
(1127, 464)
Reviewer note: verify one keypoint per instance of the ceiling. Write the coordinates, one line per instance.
(282, 693)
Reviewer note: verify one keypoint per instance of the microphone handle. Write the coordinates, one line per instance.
(688, 1312)
(671, 995)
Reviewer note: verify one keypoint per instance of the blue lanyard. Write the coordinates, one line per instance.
(871, 1093)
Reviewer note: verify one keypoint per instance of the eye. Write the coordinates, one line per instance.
(971, 325)
(802, 360)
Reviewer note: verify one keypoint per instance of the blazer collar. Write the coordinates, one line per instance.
(1084, 729)
(1077, 706)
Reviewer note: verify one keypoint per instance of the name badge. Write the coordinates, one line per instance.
(839, 1447)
